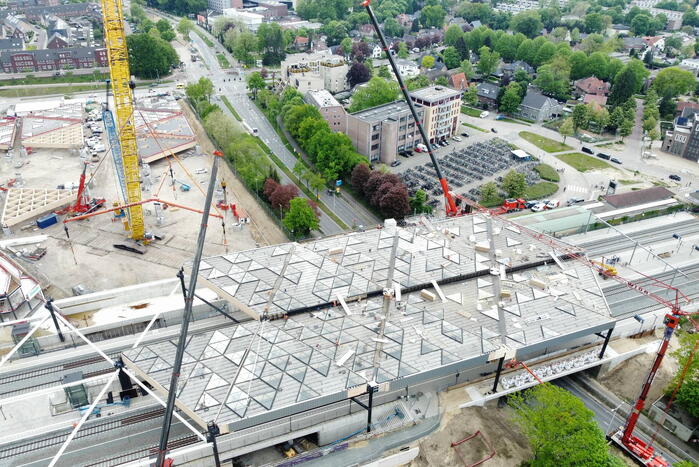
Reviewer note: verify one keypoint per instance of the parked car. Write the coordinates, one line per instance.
(604, 156)
(531, 203)
(538, 207)
(587, 150)
(500, 117)
(615, 160)
(421, 148)
(395, 163)
(554, 203)
(403, 154)
(493, 130)
(464, 134)
(573, 201)
(676, 178)
(99, 147)
(457, 139)
(484, 114)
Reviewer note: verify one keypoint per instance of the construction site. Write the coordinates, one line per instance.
(152, 314)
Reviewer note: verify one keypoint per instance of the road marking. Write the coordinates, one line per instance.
(576, 189)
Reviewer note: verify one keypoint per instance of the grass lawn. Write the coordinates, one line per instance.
(223, 61)
(628, 182)
(206, 40)
(66, 78)
(544, 143)
(230, 107)
(38, 91)
(547, 172)
(470, 111)
(583, 162)
(475, 127)
(540, 190)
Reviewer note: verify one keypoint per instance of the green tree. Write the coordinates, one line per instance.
(201, 90)
(453, 34)
(451, 58)
(441, 81)
(392, 29)
(527, 22)
(242, 43)
(688, 393)
(346, 45)
(643, 25)
(417, 82)
(511, 98)
(616, 118)
(185, 26)
(649, 124)
(165, 29)
(471, 95)
(317, 182)
(567, 128)
(432, 16)
(674, 81)
(255, 82)
(514, 184)
(487, 60)
(625, 128)
(402, 50)
(418, 203)
(377, 92)
(554, 78)
(581, 116)
(427, 61)
(489, 193)
(467, 68)
(627, 82)
(547, 414)
(272, 43)
(300, 219)
(150, 57)
(384, 72)
(594, 23)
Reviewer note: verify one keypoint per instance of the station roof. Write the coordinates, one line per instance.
(161, 129)
(458, 303)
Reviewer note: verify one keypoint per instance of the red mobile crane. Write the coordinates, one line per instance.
(82, 205)
(637, 448)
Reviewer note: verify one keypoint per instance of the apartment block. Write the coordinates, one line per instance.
(331, 110)
(381, 132)
(441, 106)
(52, 59)
(309, 72)
(683, 139)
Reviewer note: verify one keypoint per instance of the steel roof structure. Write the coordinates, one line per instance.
(394, 306)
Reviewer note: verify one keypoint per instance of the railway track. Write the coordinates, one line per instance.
(86, 431)
(145, 452)
(619, 242)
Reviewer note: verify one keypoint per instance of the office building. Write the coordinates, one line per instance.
(441, 106)
(331, 110)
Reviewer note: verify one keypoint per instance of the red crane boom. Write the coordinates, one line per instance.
(449, 202)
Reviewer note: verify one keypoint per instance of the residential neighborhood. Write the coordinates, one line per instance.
(343, 233)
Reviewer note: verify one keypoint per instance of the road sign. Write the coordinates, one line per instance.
(338, 183)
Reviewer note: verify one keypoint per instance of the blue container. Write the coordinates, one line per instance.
(47, 221)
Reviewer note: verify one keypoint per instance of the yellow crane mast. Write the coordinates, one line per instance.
(122, 89)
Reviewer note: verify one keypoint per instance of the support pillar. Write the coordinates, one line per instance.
(212, 433)
(606, 341)
(497, 374)
(49, 306)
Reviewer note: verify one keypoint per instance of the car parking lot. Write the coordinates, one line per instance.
(466, 169)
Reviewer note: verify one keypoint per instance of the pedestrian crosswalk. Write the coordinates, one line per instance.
(575, 189)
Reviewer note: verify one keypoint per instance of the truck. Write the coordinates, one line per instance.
(512, 204)
(194, 58)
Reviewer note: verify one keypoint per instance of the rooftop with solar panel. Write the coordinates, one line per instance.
(388, 306)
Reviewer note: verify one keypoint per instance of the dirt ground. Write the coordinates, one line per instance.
(626, 379)
(264, 230)
(510, 445)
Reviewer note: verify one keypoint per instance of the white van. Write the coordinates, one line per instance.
(484, 114)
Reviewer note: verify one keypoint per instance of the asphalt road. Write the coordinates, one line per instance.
(234, 88)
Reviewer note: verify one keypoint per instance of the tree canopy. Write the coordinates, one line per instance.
(301, 218)
(150, 57)
(378, 91)
(674, 81)
(560, 429)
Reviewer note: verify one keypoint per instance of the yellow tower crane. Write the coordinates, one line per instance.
(122, 89)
